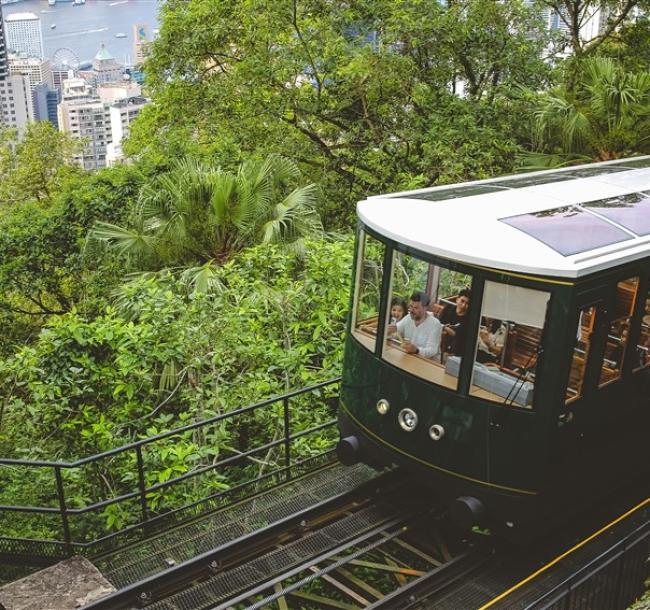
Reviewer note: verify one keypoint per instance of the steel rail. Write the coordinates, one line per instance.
(148, 588)
(412, 594)
(397, 526)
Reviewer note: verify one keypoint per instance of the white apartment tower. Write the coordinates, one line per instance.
(16, 106)
(36, 69)
(85, 117)
(23, 34)
(89, 120)
(123, 113)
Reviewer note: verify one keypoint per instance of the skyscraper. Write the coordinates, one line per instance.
(4, 66)
(141, 42)
(23, 34)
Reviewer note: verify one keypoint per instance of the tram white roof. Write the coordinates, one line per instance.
(566, 223)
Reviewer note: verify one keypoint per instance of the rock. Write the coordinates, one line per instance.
(68, 585)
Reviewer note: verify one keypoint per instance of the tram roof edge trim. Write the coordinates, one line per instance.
(555, 229)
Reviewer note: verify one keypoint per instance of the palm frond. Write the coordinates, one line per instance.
(131, 242)
(203, 279)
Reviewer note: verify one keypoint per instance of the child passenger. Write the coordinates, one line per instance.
(398, 309)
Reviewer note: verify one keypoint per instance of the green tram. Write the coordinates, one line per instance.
(516, 385)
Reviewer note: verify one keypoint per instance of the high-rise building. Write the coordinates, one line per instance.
(16, 107)
(23, 34)
(38, 70)
(89, 120)
(46, 100)
(123, 113)
(141, 42)
(105, 68)
(4, 64)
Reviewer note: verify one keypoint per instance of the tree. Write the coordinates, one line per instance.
(348, 91)
(606, 115)
(576, 15)
(34, 167)
(44, 270)
(196, 217)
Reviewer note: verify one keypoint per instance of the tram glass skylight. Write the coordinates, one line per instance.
(454, 193)
(630, 211)
(568, 230)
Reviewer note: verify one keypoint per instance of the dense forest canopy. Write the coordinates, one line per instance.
(213, 269)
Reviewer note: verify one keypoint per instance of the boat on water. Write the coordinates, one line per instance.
(78, 2)
(51, 2)
(9, 1)
(53, 26)
(120, 35)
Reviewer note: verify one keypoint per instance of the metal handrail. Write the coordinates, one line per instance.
(149, 517)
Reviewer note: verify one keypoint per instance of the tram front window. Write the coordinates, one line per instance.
(507, 348)
(370, 272)
(420, 341)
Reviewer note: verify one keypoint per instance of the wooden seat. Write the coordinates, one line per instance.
(521, 346)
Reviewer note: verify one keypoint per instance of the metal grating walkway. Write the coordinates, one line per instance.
(134, 563)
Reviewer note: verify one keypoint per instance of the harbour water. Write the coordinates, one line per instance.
(85, 27)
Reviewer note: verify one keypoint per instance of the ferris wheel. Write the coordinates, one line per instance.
(65, 59)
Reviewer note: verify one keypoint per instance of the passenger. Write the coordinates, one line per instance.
(491, 341)
(421, 332)
(398, 309)
(454, 318)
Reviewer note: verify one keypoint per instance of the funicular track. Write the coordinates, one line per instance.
(370, 547)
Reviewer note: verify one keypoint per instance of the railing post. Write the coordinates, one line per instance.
(287, 439)
(64, 510)
(141, 484)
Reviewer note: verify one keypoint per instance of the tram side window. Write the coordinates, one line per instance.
(508, 341)
(586, 321)
(368, 289)
(643, 346)
(419, 333)
(618, 331)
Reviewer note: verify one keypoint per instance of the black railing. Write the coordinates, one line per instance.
(286, 453)
(614, 579)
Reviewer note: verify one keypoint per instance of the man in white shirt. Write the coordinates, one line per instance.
(421, 331)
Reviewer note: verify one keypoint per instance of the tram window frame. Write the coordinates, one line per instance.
(361, 330)
(642, 351)
(620, 320)
(587, 316)
(430, 282)
(492, 379)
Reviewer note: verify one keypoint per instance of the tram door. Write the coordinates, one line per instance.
(595, 410)
(507, 357)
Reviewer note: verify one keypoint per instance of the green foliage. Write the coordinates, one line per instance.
(361, 96)
(34, 167)
(164, 359)
(86, 385)
(197, 216)
(605, 115)
(44, 270)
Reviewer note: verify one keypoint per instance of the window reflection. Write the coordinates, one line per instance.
(618, 331)
(586, 324)
(508, 341)
(369, 278)
(420, 341)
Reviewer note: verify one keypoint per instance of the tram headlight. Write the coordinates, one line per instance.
(407, 419)
(383, 406)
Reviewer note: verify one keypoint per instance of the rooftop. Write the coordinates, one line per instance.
(21, 17)
(103, 54)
